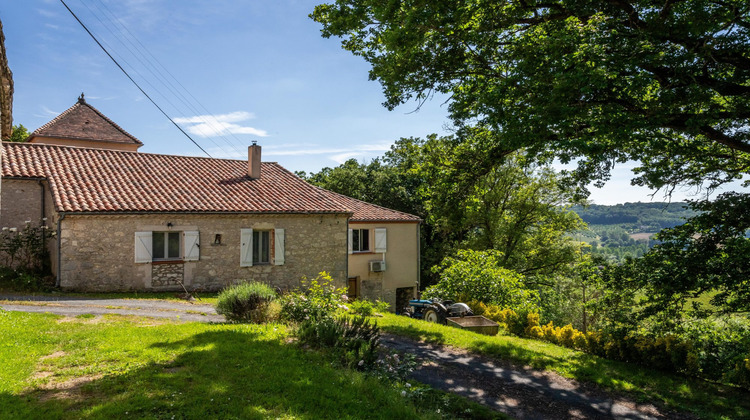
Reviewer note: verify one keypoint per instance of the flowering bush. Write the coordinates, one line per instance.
(24, 257)
(318, 298)
(395, 367)
(26, 249)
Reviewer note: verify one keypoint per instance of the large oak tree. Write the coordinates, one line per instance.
(665, 83)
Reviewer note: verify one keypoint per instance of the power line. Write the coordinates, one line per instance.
(132, 80)
(152, 61)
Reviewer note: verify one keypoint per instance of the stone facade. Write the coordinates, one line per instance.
(21, 201)
(170, 274)
(98, 251)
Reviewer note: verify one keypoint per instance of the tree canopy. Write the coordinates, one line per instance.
(664, 83)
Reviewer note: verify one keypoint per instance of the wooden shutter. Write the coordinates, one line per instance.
(350, 240)
(143, 247)
(246, 247)
(380, 240)
(191, 242)
(278, 246)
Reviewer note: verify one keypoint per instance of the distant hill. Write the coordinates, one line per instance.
(636, 217)
(626, 229)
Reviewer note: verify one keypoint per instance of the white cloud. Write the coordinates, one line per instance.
(47, 13)
(220, 125)
(336, 153)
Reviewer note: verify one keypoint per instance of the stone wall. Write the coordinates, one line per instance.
(98, 251)
(21, 200)
(170, 274)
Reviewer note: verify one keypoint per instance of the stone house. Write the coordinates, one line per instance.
(137, 221)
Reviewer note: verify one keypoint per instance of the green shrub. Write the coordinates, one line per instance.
(354, 340)
(319, 298)
(477, 275)
(246, 302)
(362, 307)
(365, 307)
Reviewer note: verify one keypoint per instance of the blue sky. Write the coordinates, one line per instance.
(228, 72)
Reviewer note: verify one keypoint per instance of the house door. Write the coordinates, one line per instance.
(352, 292)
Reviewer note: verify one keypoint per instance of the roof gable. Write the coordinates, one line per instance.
(83, 122)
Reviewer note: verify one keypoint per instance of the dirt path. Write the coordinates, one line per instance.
(520, 392)
(73, 306)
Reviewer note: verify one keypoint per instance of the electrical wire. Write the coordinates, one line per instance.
(191, 105)
(131, 79)
(111, 23)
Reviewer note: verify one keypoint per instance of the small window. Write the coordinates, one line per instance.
(261, 247)
(166, 245)
(360, 240)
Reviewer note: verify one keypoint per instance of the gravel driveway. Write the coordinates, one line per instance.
(73, 306)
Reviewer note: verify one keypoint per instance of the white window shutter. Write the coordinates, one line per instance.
(191, 242)
(351, 238)
(246, 247)
(143, 247)
(380, 240)
(278, 246)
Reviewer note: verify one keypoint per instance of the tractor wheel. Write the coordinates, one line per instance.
(431, 315)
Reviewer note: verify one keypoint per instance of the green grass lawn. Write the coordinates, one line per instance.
(676, 392)
(115, 367)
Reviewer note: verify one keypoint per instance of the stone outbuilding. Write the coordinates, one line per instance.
(138, 221)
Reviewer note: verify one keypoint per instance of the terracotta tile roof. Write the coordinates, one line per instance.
(98, 180)
(83, 121)
(366, 212)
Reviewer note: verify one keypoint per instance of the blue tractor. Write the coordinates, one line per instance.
(435, 310)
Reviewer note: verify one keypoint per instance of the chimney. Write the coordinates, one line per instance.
(253, 161)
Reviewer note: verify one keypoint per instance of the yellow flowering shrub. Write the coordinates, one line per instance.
(536, 332)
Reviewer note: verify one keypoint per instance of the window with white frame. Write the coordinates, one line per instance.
(167, 246)
(360, 240)
(261, 247)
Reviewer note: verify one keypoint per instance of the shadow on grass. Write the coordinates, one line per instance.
(216, 374)
(644, 384)
(434, 337)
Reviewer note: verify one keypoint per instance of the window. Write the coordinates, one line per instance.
(261, 247)
(255, 247)
(166, 245)
(360, 240)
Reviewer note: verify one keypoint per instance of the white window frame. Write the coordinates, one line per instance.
(359, 236)
(166, 245)
(276, 253)
(259, 243)
(189, 248)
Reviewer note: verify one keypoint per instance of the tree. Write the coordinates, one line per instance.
(20, 133)
(665, 83)
(516, 211)
(522, 212)
(6, 91)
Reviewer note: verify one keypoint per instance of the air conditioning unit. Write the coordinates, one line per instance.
(377, 266)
